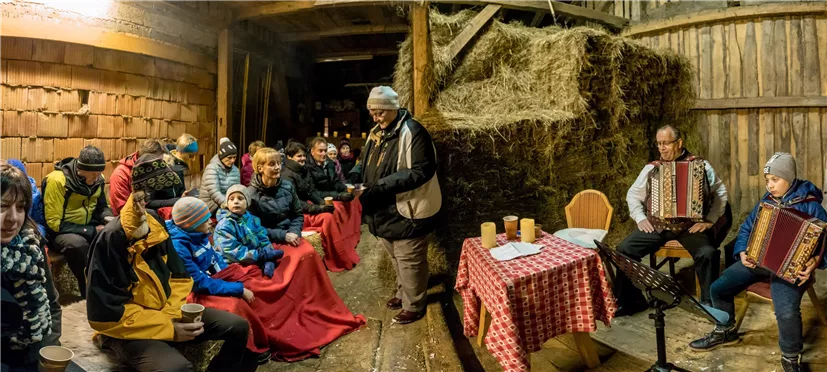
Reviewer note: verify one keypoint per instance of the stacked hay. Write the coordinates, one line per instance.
(525, 118)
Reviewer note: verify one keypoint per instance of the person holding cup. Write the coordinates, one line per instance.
(138, 283)
(25, 289)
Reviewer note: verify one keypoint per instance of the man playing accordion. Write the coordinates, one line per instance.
(785, 190)
(678, 197)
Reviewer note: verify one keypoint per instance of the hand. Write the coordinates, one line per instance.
(187, 331)
(248, 296)
(292, 239)
(98, 228)
(327, 208)
(747, 261)
(646, 226)
(804, 275)
(700, 227)
(345, 197)
(108, 219)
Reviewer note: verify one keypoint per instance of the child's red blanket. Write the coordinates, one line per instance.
(295, 313)
(341, 231)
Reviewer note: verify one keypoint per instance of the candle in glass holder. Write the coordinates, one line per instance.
(347, 135)
(364, 135)
(489, 235)
(335, 133)
(527, 230)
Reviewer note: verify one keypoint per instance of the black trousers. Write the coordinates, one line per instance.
(640, 244)
(153, 355)
(74, 248)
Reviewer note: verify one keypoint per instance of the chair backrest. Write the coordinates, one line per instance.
(589, 209)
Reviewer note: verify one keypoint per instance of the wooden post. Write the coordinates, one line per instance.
(242, 133)
(224, 88)
(421, 57)
(467, 33)
(267, 89)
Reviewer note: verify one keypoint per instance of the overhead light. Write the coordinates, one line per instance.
(355, 57)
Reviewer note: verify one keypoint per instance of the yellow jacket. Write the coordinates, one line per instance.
(70, 205)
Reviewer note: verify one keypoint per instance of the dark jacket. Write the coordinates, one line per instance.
(347, 164)
(70, 205)
(324, 176)
(278, 207)
(180, 168)
(802, 196)
(403, 195)
(12, 312)
(300, 177)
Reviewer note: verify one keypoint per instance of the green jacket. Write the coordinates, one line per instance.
(71, 206)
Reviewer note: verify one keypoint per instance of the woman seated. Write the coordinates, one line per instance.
(36, 211)
(31, 313)
(219, 175)
(784, 190)
(298, 306)
(339, 224)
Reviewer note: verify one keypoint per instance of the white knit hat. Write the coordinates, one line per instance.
(332, 147)
(383, 98)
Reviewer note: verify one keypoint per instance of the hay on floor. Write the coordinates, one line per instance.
(526, 117)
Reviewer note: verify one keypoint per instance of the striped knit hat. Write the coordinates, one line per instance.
(188, 213)
(151, 173)
(383, 98)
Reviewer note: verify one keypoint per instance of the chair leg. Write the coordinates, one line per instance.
(652, 262)
(741, 313)
(671, 266)
(483, 324)
(697, 286)
(819, 311)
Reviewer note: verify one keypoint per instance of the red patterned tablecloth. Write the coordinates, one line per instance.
(532, 299)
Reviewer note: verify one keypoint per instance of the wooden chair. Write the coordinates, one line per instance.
(761, 291)
(590, 209)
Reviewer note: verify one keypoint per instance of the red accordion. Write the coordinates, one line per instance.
(784, 239)
(677, 190)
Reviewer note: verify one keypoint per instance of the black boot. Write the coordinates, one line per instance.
(792, 364)
(719, 337)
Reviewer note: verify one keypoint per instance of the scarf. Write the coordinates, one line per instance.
(24, 265)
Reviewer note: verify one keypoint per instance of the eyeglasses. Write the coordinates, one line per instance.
(666, 143)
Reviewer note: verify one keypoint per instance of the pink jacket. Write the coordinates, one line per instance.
(246, 169)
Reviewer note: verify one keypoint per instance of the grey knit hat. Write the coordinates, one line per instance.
(240, 189)
(383, 98)
(781, 164)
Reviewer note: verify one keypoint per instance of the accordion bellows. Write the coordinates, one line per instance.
(678, 189)
(783, 239)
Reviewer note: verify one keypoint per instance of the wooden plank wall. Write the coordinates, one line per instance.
(784, 56)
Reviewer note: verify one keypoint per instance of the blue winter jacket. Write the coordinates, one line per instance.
(795, 198)
(239, 237)
(36, 213)
(202, 262)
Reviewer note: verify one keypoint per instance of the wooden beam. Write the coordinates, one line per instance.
(243, 130)
(538, 18)
(287, 7)
(98, 37)
(345, 31)
(760, 102)
(727, 15)
(560, 8)
(223, 90)
(471, 29)
(421, 60)
(373, 52)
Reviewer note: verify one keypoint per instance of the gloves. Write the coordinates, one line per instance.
(269, 268)
(269, 254)
(316, 209)
(345, 197)
(327, 208)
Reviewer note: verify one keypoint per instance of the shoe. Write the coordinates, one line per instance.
(394, 303)
(719, 337)
(792, 364)
(405, 316)
(263, 358)
(632, 309)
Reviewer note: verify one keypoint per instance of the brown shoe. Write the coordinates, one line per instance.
(395, 303)
(405, 316)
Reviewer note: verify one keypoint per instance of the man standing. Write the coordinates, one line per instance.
(402, 197)
(651, 234)
(75, 208)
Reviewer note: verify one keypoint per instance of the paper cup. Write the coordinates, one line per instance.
(54, 359)
(328, 200)
(350, 188)
(510, 227)
(191, 313)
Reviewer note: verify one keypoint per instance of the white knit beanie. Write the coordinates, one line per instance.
(332, 147)
(383, 98)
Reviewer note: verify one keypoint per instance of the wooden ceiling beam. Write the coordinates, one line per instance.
(373, 52)
(345, 31)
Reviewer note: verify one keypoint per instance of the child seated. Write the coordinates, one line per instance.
(240, 236)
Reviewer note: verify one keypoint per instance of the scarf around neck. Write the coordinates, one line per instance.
(24, 265)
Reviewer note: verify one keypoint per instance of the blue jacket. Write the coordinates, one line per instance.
(201, 262)
(794, 198)
(37, 208)
(239, 236)
(278, 207)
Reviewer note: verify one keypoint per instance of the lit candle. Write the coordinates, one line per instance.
(318, 134)
(347, 135)
(489, 235)
(527, 230)
(364, 135)
(335, 134)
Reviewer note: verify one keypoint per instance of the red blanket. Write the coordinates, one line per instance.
(341, 231)
(295, 313)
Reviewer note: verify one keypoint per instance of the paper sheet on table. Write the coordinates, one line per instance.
(513, 250)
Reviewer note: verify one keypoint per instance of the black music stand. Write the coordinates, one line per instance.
(662, 293)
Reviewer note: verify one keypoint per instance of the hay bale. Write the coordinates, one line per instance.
(526, 117)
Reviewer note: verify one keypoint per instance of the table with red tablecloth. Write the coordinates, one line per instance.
(562, 289)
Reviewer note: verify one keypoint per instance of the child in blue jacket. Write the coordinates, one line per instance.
(240, 236)
(784, 190)
(189, 230)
